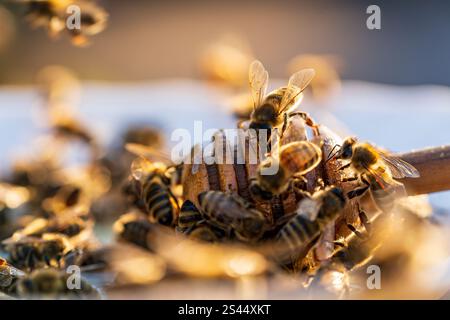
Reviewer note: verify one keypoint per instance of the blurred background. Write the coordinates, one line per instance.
(161, 39)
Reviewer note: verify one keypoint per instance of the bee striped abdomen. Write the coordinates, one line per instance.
(300, 157)
(189, 215)
(217, 207)
(298, 232)
(137, 232)
(158, 202)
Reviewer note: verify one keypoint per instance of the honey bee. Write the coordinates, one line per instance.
(274, 109)
(189, 215)
(51, 283)
(158, 200)
(313, 215)
(35, 252)
(229, 211)
(52, 14)
(376, 170)
(71, 224)
(295, 159)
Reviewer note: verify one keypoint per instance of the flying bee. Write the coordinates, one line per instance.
(36, 252)
(274, 109)
(232, 212)
(53, 14)
(377, 170)
(313, 215)
(295, 159)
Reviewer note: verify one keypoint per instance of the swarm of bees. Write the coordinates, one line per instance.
(330, 208)
(317, 216)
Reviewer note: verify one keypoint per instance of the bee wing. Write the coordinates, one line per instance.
(309, 208)
(139, 166)
(148, 152)
(297, 83)
(258, 79)
(399, 168)
(385, 183)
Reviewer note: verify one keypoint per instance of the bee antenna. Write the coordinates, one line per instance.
(333, 152)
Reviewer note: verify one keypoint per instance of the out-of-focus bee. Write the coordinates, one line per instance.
(54, 15)
(189, 215)
(13, 196)
(51, 283)
(77, 227)
(136, 229)
(314, 214)
(35, 252)
(154, 181)
(9, 276)
(226, 61)
(232, 212)
(327, 80)
(376, 170)
(295, 159)
(158, 200)
(274, 109)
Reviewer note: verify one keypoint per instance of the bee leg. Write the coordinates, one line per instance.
(300, 177)
(365, 220)
(348, 179)
(355, 231)
(345, 166)
(357, 192)
(340, 243)
(285, 123)
(308, 120)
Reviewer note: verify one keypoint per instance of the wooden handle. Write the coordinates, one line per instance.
(434, 167)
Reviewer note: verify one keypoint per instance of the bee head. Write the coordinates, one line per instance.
(346, 151)
(271, 176)
(252, 228)
(260, 126)
(339, 195)
(258, 193)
